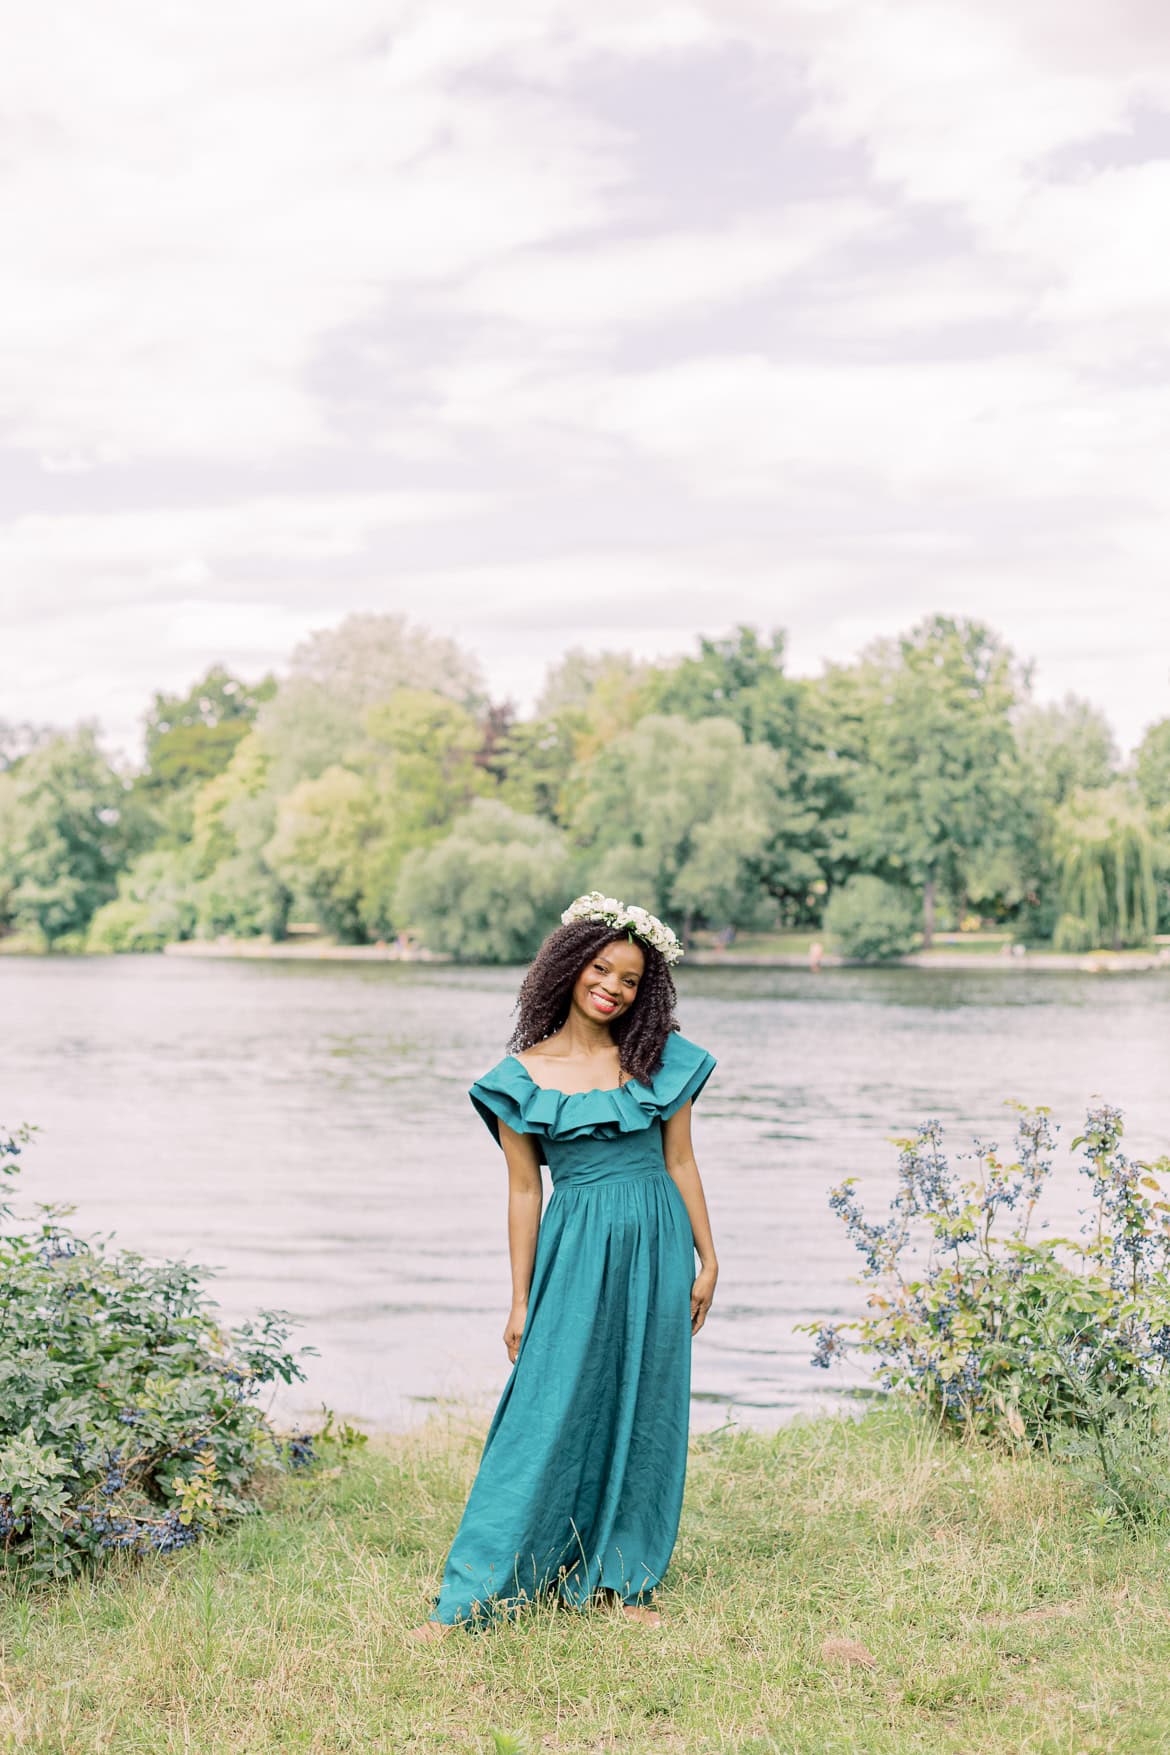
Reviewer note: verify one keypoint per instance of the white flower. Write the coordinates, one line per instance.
(595, 906)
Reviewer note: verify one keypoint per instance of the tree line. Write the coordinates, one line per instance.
(378, 789)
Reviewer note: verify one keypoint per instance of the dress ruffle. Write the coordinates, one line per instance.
(508, 1093)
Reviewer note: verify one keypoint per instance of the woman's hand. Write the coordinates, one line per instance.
(702, 1293)
(514, 1328)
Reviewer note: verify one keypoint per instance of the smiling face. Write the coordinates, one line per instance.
(607, 986)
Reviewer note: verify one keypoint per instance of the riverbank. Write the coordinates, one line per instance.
(1094, 962)
(954, 951)
(840, 1587)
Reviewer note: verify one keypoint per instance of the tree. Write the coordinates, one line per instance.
(423, 747)
(155, 905)
(1107, 856)
(938, 786)
(491, 889)
(192, 737)
(1152, 770)
(316, 719)
(233, 820)
(324, 830)
(678, 815)
(871, 920)
(1065, 747)
(17, 739)
(741, 678)
(72, 828)
(1152, 774)
(8, 872)
(340, 839)
(531, 760)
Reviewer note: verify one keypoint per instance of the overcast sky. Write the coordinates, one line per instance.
(581, 324)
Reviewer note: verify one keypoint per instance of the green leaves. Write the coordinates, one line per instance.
(127, 1417)
(1021, 1339)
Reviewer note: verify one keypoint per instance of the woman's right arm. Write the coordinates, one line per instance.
(525, 1200)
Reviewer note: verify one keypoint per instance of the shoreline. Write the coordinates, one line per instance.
(1096, 962)
(946, 961)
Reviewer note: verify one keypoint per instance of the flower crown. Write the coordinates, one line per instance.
(595, 906)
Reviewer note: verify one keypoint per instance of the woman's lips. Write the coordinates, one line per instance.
(603, 1005)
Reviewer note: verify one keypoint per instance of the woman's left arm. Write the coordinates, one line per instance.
(680, 1161)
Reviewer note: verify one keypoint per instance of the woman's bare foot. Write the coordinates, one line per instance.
(430, 1630)
(642, 1612)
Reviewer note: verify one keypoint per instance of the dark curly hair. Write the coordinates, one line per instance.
(547, 989)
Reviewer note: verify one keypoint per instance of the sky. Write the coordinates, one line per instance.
(603, 326)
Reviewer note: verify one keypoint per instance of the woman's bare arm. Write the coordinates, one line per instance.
(680, 1161)
(525, 1200)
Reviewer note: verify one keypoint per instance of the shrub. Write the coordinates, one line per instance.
(1056, 1341)
(490, 890)
(1072, 934)
(127, 1414)
(153, 907)
(872, 920)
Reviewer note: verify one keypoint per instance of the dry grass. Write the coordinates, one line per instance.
(855, 1587)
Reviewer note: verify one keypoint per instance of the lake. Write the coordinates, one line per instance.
(304, 1129)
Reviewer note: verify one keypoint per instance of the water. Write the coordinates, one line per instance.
(305, 1130)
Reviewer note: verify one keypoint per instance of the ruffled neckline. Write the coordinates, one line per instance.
(508, 1092)
(595, 1091)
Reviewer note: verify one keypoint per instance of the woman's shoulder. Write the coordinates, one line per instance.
(684, 1070)
(679, 1049)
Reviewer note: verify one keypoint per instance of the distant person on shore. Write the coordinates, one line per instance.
(579, 1489)
(816, 952)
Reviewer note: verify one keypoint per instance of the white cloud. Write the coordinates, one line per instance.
(49, 562)
(412, 301)
(611, 286)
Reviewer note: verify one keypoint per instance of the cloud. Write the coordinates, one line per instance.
(614, 286)
(538, 321)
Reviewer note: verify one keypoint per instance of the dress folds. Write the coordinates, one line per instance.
(581, 1479)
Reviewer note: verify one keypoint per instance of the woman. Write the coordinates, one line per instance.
(580, 1484)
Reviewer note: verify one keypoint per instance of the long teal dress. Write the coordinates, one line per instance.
(581, 1479)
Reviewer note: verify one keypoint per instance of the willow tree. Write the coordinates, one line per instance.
(1106, 852)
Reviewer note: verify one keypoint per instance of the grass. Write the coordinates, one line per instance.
(861, 1587)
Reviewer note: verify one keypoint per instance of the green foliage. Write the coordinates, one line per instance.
(324, 829)
(70, 828)
(241, 898)
(741, 679)
(1107, 860)
(1152, 770)
(1053, 1341)
(872, 920)
(317, 717)
(340, 839)
(1072, 934)
(190, 738)
(936, 783)
(531, 760)
(490, 890)
(682, 814)
(1066, 747)
(127, 1412)
(155, 906)
(715, 788)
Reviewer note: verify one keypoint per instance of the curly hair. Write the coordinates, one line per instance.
(547, 989)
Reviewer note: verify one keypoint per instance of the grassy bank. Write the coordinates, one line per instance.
(838, 1586)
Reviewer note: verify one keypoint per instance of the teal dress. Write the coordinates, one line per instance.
(581, 1480)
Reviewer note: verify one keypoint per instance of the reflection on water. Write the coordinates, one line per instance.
(305, 1129)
